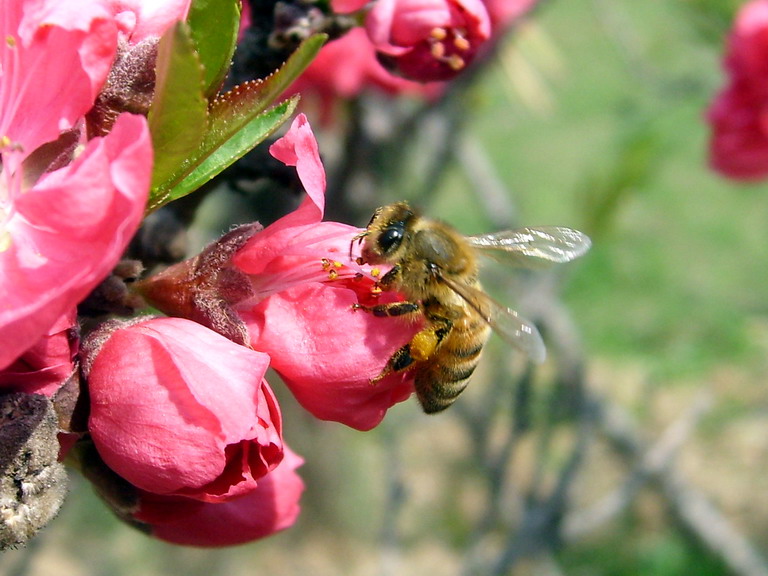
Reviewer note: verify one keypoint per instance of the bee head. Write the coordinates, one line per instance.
(386, 233)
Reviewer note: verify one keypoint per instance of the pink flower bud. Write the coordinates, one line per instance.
(178, 410)
(272, 506)
(739, 140)
(427, 40)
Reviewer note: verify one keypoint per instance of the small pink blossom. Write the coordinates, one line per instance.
(178, 410)
(428, 40)
(271, 507)
(739, 113)
(348, 66)
(45, 367)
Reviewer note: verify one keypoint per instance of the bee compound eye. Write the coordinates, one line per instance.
(391, 237)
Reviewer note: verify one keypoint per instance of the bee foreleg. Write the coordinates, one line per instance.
(390, 277)
(390, 309)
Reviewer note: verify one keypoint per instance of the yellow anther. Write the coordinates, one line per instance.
(461, 43)
(438, 34)
(5, 241)
(437, 50)
(455, 62)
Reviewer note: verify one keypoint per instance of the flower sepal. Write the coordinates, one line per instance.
(204, 289)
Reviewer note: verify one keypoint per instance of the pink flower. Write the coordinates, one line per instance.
(739, 113)
(178, 410)
(54, 60)
(291, 289)
(428, 40)
(345, 68)
(63, 235)
(302, 313)
(63, 223)
(272, 506)
(45, 367)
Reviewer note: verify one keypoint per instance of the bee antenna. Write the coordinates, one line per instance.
(359, 238)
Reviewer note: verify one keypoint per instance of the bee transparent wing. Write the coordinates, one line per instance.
(506, 322)
(527, 247)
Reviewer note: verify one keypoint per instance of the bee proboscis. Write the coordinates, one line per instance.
(436, 268)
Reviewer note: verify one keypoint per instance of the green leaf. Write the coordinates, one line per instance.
(222, 149)
(237, 121)
(261, 93)
(214, 25)
(178, 116)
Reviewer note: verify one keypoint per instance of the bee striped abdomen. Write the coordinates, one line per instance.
(439, 381)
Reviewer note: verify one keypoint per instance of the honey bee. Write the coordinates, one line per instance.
(436, 269)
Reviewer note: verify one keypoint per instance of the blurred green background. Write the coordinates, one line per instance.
(591, 117)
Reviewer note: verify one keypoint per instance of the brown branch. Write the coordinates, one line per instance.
(690, 507)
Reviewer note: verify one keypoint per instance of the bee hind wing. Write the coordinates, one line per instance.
(507, 323)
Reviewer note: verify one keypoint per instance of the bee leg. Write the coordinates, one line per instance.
(420, 349)
(391, 309)
(390, 277)
(400, 361)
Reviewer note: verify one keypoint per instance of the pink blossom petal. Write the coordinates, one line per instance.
(139, 19)
(45, 367)
(272, 506)
(346, 6)
(69, 231)
(327, 353)
(299, 148)
(504, 12)
(32, 83)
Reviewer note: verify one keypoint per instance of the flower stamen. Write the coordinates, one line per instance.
(443, 44)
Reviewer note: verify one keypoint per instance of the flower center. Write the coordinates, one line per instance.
(449, 46)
